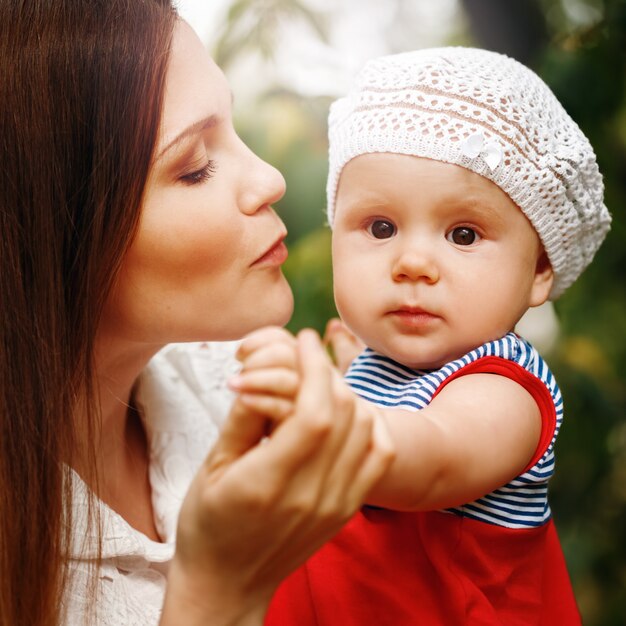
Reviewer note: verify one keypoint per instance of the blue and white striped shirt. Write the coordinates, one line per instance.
(521, 503)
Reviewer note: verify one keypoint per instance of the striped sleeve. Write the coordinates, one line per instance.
(523, 502)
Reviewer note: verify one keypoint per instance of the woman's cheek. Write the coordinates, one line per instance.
(186, 251)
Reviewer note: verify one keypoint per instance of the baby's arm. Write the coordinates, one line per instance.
(476, 435)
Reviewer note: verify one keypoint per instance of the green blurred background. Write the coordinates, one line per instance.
(579, 48)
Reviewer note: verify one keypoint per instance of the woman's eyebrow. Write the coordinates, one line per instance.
(195, 128)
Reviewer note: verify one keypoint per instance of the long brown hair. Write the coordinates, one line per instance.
(81, 85)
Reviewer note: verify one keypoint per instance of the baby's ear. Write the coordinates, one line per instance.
(542, 284)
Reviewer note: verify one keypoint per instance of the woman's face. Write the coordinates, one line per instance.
(206, 261)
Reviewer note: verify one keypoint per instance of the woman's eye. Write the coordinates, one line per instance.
(199, 176)
(463, 236)
(382, 229)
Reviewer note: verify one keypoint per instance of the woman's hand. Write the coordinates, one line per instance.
(269, 381)
(255, 511)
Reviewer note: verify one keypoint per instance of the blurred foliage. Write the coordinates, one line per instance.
(309, 273)
(579, 48)
(585, 64)
(252, 25)
(290, 133)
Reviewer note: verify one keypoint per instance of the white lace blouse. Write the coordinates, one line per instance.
(183, 398)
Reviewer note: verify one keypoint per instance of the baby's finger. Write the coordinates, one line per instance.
(274, 407)
(279, 354)
(333, 325)
(344, 344)
(274, 381)
(263, 337)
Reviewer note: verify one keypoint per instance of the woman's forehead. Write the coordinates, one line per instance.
(195, 87)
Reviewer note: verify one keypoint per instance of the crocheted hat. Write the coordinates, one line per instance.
(492, 115)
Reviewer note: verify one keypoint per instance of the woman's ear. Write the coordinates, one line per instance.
(542, 283)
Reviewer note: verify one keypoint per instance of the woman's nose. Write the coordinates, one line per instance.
(412, 264)
(261, 184)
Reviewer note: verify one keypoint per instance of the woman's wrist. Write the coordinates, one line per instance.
(198, 601)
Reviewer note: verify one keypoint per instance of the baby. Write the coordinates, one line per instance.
(460, 193)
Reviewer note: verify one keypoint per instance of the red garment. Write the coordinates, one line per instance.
(436, 568)
(390, 569)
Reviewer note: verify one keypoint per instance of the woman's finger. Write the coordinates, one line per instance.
(318, 427)
(242, 431)
(318, 400)
(272, 407)
(367, 455)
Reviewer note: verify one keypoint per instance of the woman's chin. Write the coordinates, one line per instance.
(272, 307)
(276, 313)
(272, 310)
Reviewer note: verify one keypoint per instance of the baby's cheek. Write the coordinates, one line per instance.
(353, 309)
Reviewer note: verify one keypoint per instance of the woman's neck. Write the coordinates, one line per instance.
(121, 451)
(118, 364)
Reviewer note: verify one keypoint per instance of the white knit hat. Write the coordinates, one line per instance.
(489, 114)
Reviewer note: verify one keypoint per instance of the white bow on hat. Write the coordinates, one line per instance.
(476, 145)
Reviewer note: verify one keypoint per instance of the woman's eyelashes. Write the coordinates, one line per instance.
(200, 175)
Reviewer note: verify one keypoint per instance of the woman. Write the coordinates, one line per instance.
(132, 216)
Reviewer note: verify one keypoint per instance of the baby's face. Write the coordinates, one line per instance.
(431, 260)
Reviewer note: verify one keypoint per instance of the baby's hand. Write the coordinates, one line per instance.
(344, 344)
(269, 381)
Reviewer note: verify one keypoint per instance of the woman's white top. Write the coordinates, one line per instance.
(183, 398)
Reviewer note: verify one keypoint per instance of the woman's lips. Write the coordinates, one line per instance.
(274, 257)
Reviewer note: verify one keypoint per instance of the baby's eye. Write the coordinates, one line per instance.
(382, 229)
(463, 236)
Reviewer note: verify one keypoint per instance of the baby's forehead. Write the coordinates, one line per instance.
(385, 176)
